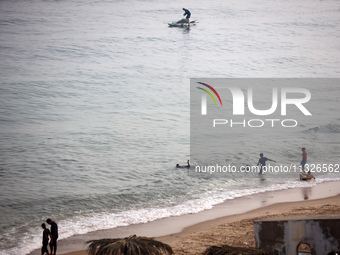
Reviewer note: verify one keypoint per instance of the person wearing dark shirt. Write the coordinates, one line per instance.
(45, 238)
(187, 166)
(262, 161)
(187, 12)
(54, 236)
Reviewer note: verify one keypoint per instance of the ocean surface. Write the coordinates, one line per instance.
(95, 106)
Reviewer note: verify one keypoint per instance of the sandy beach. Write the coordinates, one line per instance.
(230, 223)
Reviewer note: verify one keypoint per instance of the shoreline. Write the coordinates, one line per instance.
(173, 229)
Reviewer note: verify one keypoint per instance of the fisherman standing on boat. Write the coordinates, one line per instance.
(187, 12)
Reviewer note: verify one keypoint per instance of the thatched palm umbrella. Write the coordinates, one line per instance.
(132, 245)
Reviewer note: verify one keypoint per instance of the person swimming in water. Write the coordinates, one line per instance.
(187, 166)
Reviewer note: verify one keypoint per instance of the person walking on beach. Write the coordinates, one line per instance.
(304, 159)
(54, 236)
(188, 13)
(45, 238)
(262, 162)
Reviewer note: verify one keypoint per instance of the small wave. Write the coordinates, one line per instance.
(324, 129)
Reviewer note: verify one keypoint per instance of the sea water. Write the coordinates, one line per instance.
(95, 106)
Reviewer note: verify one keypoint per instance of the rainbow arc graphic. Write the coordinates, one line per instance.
(204, 98)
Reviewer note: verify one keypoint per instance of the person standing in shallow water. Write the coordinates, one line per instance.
(54, 236)
(45, 238)
(304, 159)
(262, 162)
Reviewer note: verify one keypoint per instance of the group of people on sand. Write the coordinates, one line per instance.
(262, 163)
(49, 235)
